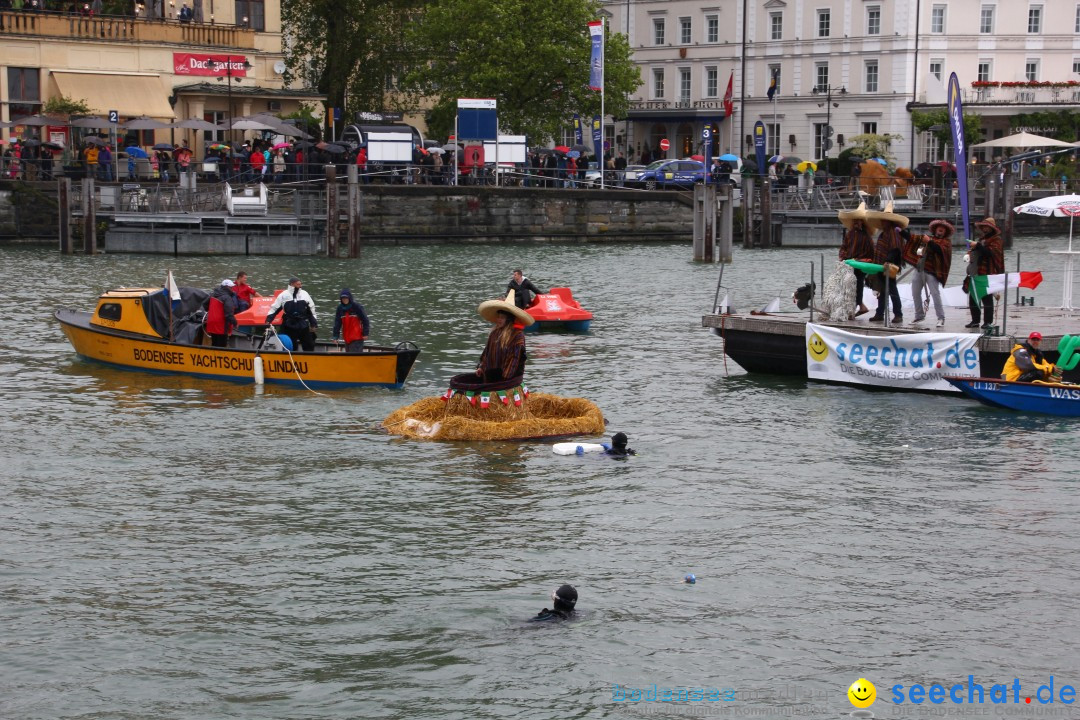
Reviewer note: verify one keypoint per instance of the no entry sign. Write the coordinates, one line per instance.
(664, 144)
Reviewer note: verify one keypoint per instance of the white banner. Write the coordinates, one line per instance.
(911, 361)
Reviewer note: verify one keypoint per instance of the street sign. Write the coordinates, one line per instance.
(664, 144)
(706, 133)
(828, 131)
(114, 116)
(827, 144)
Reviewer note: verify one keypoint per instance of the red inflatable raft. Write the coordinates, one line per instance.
(558, 310)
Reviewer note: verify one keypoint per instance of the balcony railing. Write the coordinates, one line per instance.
(1022, 95)
(118, 28)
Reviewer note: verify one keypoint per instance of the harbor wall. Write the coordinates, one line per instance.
(28, 212)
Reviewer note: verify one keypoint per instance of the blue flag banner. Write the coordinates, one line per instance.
(759, 146)
(598, 143)
(774, 83)
(956, 129)
(596, 61)
(578, 137)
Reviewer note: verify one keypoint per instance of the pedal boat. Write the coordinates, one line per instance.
(558, 310)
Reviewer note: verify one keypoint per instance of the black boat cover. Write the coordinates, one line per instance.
(187, 313)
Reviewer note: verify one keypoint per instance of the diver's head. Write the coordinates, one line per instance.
(618, 441)
(564, 597)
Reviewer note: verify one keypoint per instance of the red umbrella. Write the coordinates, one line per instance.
(699, 158)
(281, 145)
(561, 148)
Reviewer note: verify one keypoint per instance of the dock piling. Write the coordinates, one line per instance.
(89, 217)
(64, 205)
(331, 212)
(726, 231)
(354, 211)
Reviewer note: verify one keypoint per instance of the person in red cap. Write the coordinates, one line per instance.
(1026, 363)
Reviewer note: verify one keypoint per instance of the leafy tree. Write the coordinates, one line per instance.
(307, 121)
(926, 119)
(532, 57)
(347, 49)
(64, 105)
(869, 145)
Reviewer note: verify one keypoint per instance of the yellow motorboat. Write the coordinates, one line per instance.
(143, 329)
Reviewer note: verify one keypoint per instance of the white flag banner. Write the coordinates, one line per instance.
(910, 361)
(956, 297)
(170, 286)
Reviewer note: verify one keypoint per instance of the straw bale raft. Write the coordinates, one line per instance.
(539, 415)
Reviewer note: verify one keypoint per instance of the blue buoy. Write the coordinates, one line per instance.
(690, 579)
(286, 342)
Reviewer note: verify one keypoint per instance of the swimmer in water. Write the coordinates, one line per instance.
(564, 598)
(618, 446)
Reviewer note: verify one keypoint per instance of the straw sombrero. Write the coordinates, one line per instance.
(848, 217)
(875, 219)
(490, 309)
(949, 228)
(988, 222)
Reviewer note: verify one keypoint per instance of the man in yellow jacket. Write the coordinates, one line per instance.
(1026, 363)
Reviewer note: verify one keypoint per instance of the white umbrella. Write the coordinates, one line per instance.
(144, 123)
(195, 124)
(1057, 206)
(250, 125)
(1023, 140)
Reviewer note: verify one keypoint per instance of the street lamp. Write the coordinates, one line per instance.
(229, 71)
(826, 142)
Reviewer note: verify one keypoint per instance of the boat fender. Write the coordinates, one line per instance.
(260, 378)
(569, 448)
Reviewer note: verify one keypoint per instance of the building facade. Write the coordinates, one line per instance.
(843, 68)
(166, 62)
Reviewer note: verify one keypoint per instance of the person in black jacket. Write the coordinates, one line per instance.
(564, 598)
(522, 286)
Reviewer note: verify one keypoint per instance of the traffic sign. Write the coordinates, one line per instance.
(114, 116)
(828, 131)
(827, 144)
(706, 133)
(664, 144)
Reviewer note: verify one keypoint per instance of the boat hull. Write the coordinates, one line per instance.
(376, 366)
(576, 326)
(1061, 400)
(558, 311)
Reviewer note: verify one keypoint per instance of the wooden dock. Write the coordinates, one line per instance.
(775, 343)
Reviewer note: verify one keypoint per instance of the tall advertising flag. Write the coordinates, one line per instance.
(956, 129)
(774, 83)
(598, 143)
(579, 138)
(729, 103)
(596, 61)
(759, 146)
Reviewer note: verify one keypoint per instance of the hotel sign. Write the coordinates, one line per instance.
(210, 65)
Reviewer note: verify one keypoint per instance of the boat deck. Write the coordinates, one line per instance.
(1053, 323)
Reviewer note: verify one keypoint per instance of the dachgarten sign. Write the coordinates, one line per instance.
(212, 65)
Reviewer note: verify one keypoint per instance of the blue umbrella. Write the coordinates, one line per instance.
(136, 152)
(880, 160)
(728, 157)
(573, 154)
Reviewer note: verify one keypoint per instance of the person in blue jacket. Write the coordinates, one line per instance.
(352, 322)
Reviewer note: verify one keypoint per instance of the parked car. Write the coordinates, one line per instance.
(631, 174)
(665, 173)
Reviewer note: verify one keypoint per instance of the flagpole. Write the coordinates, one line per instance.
(603, 78)
(731, 130)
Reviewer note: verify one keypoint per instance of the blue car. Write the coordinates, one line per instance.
(666, 173)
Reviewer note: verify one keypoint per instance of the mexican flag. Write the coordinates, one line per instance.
(485, 400)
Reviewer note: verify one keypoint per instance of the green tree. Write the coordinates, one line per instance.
(64, 105)
(532, 57)
(869, 146)
(939, 119)
(307, 121)
(1060, 125)
(348, 49)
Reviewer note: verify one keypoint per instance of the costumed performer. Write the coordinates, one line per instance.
(856, 245)
(504, 356)
(932, 257)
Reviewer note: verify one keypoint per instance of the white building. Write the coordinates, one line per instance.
(863, 56)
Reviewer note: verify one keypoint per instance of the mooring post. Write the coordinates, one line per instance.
(354, 211)
(766, 213)
(726, 232)
(1009, 191)
(748, 211)
(63, 203)
(708, 212)
(331, 211)
(89, 218)
(699, 222)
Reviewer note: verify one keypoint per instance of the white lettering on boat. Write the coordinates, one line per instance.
(1064, 393)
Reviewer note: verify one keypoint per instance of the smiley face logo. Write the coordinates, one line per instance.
(817, 348)
(862, 693)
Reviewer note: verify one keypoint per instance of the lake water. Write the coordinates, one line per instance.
(177, 548)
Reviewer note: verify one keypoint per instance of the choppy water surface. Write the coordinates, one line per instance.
(175, 548)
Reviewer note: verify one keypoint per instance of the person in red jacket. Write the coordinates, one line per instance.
(221, 314)
(361, 164)
(257, 160)
(244, 292)
(351, 322)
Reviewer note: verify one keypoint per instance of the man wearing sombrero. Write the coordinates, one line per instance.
(888, 251)
(986, 256)
(932, 257)
(504, 355)
(856, 245)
